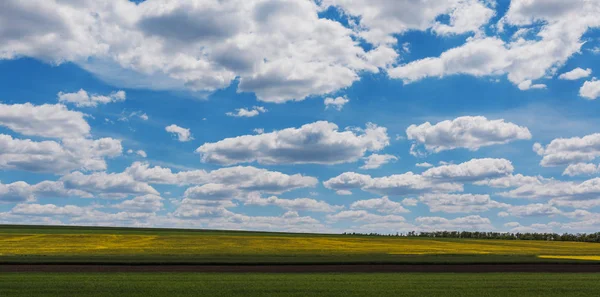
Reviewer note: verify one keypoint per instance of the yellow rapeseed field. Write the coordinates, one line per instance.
(224, 245)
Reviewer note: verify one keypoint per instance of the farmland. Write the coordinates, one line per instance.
(116, 245)
(347, 285)
(56, 261)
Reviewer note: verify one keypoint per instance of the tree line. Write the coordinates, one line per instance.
(582, 237)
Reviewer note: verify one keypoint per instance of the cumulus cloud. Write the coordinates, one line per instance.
(49, 209)
(363, 216)
(247, 113)
(145, 203)
(470, 171)
(182, 134)
(576, 73)
(410, 201)
(72, 214)
(529, 85)
(581, 169)
(47, 120)
(382, 205)
(335, 103)
(56, 157)
(424, 165)
(379, 21)
(563, 151)
(202, 46)
(298, 204)
(70, 149)
(465, 132)
(524, 59)
(81, 98)
(531, 210)
(460, 203)
(211, 192)
(318, 142)
(243, 178)
(21, 191)
(562, 193)
(472, 222)
(590, 89)
(376, 160)
(397, 184)
(511, 181)
(107, 185)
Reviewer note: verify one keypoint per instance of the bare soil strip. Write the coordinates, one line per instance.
(452, 268)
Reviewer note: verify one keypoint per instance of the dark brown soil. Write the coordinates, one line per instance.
(454, 268)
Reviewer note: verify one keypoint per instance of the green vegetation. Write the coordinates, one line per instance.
(37, 244)
(347, 285)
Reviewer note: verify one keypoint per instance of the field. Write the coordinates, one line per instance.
(120, 245)
(347, 285)
(88, 261)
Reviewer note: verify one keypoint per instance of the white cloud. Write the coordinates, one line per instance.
(459, 203)
(318, 142)
(75, 150)
(21, 191)
(473, 170)
(477, 57)
(182, 134)
(516, 227)
(424, 165)
(382, 205)
(532, 210)
(590, 89)
(48, 120)
(573, 194)
(375, 161)
(298, 204)
(191, 208)
(247, 113)
(202, 46)
(510, 181)
(378, 21)
(55, 157)
(107, 185)
(559, 37)
(337, 103)
(49, 209)
(243, 178)
(578, 204)
(581, 169)
(82, 99)
(363, 216)
(141, 153)
(398, 184)
(528, 85)
(473, 222)
(576, 73)
(145, 203)
(465, 132)
(15, 192)
(563, 151)
(211, 192)
(410, 201)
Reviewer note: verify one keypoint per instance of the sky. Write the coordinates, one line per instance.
(304, 116)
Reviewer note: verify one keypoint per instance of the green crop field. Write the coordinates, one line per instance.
(347, 285)
(122, 245)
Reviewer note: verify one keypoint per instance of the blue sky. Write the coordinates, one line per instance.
(326, 116)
